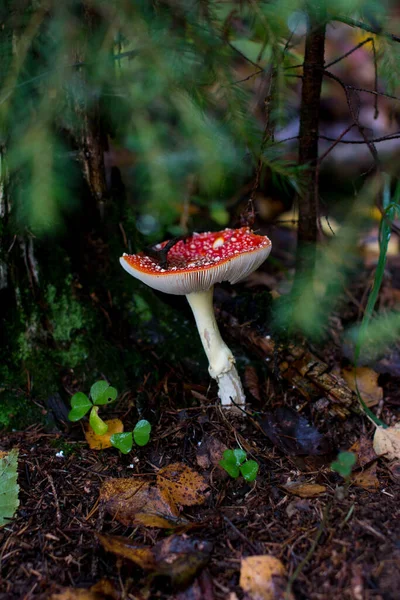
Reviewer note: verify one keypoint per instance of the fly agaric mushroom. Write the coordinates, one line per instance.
(192, 267)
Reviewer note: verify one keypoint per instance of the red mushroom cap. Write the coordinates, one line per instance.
(196, 263)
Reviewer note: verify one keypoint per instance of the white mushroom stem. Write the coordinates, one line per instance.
(220, 358)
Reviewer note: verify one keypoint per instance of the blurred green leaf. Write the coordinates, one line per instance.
(9, 488)
(344, 464)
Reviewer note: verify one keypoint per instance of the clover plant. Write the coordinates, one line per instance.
(124, 441)
(234, 462)
(101, 393)
(344, 464)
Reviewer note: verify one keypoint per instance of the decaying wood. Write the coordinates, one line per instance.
(297, 365)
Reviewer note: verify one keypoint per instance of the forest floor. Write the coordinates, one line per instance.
(333, 537)
(343, 539)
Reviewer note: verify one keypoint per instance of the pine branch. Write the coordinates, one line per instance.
(365, 27)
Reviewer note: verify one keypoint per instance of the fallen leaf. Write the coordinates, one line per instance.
(180, 558)
(99, 591)
(364, 451)
(251, 382)
(367, 478)
(387, 442)
(9, 488)
(106, 588)
(293, 434)
(133, 501)
(263, 577)
(100, 442)
(185, 485)
(122, 546)
(210, 452)
(304, 490)
(367, 382)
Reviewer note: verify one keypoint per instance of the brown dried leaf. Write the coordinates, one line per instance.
(304, 490)
(184, 485)
(367, 381)
(364, 450)
(263, 577)
(367, 479)
(141, 555)
(251, 382)
(99, 442)
(133, 501)
(387, 442)
(210, 452)
(180, 558)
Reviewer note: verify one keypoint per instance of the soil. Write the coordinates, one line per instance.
(346, 540)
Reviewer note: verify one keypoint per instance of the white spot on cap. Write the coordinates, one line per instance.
(218, 242)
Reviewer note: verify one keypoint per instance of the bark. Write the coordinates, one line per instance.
(90, 135)
(308, 141)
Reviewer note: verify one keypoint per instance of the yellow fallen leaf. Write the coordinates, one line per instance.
(99, 591)
(304, 490)
(99, 442)
(387, 442)
(136, 500)
(185, 485)
(367, 479)
(122, 546)
(367, 381)
(262, 577)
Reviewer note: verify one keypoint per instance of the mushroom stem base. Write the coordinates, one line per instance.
(221, 361)
(230, 388)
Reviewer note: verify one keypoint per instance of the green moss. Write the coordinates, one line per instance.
(65, 312)
(17, 412)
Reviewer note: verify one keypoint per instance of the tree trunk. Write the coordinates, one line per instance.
(308, 141)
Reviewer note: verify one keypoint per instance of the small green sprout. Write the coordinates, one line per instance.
(101, 393)
(344, 464)
(234, 462)
(124, 441)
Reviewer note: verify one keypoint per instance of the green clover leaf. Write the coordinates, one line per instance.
(141, 433)
(240, 456)
(231, 461)
(80, 405)
(122, 441)
(102, 393)
(344, 464)
(97, 424)
(249, 470)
